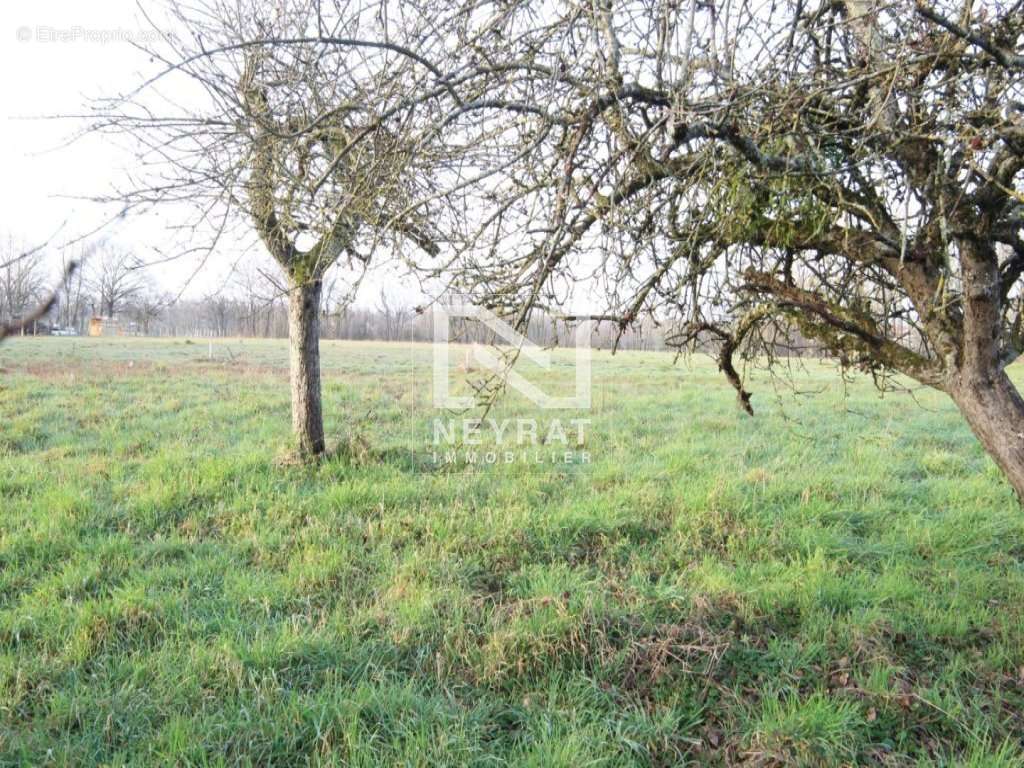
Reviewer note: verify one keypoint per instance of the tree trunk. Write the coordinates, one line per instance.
(304, 355)
(994, 410)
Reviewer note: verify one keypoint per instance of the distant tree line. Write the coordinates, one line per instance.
(112, 284)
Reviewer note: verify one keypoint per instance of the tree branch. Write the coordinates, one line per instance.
(17, 326)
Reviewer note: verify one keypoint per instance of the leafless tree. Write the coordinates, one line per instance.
(113, 277)
(394, 316)
(23, 296)
(23, 280)
(739, 170)
(260, 296)
(218, 308)
(145, 308)
(309, 127)
(72, 305)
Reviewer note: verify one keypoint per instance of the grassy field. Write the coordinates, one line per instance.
(836, 581)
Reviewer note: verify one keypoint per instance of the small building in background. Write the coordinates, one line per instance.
(112, 326)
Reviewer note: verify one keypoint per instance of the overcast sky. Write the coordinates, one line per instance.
(55, 54)
(51, 62)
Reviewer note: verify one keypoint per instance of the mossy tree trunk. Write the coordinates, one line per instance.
(994, 409)
(983, 392)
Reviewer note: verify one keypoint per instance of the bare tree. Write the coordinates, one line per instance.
(740, 169)
(71, 307)
(394, 317)
(23, 296)
(145, 308)
(259, 295)
(311, 133)
(218, 310)
(113, 277)
(23, 281)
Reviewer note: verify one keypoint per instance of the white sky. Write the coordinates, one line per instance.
(54, 58)
(47, 78)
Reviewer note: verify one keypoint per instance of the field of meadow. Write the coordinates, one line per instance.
(836, 581)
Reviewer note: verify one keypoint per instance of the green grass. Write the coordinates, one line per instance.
(836, 581)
